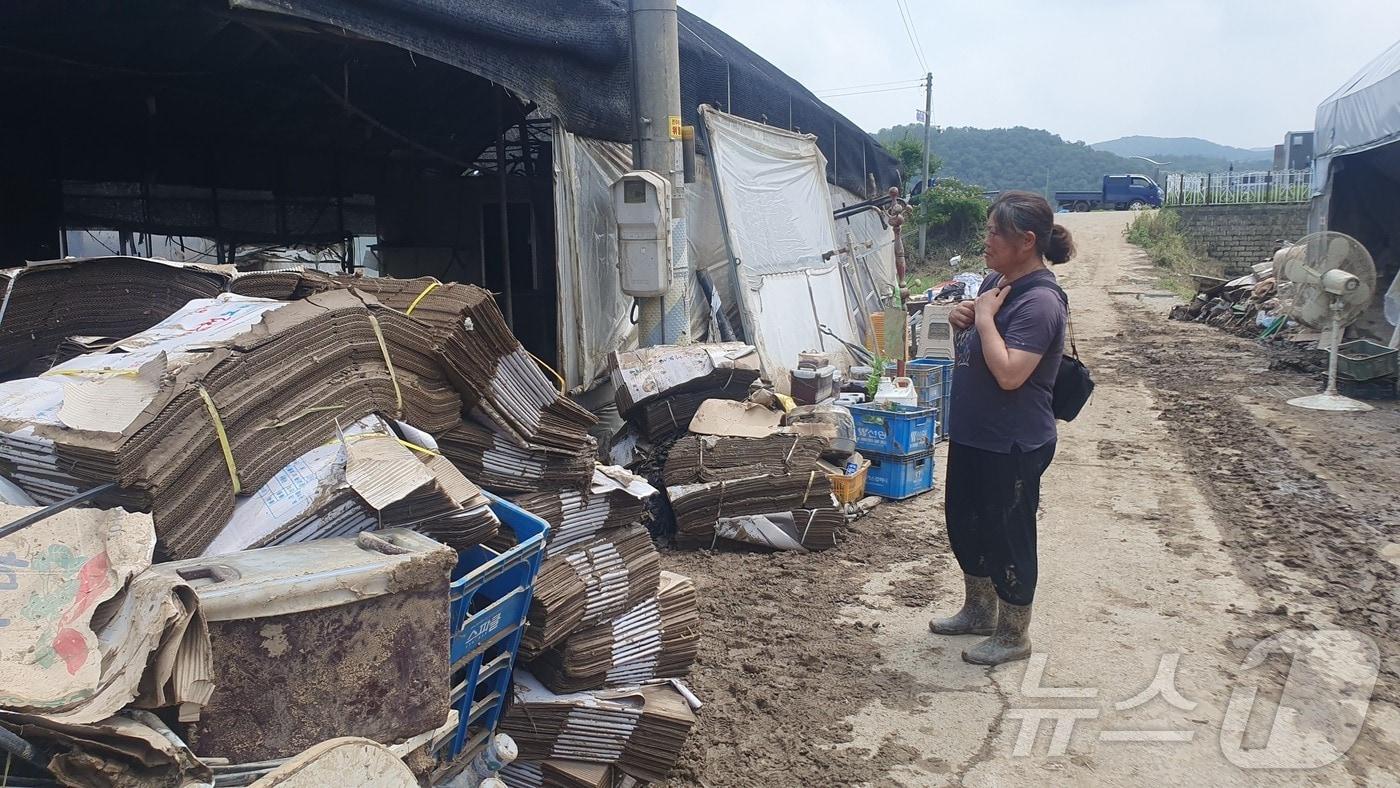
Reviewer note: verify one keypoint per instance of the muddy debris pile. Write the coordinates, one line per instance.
(1249, 305)
(230, 499)
(749, 471)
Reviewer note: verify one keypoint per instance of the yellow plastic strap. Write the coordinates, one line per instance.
(557, 376)
(389, 364)
(402, 442)
(125, 373)
(430, 288)
(309, 411)
(416, 447)
(223, 440)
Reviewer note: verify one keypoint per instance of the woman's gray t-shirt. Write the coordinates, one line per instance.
(982, 414)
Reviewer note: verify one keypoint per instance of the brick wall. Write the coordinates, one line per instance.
(1241, 235)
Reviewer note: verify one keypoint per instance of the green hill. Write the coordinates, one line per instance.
(1173, 148)
(1017, 158)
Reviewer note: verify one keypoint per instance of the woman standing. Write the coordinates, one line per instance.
(1001, 428)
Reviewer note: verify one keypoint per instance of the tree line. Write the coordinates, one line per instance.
(1022, 158)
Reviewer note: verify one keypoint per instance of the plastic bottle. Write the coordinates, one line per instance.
(499, 752)
(898, 390)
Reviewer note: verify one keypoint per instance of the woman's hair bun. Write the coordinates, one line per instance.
(1061, 245)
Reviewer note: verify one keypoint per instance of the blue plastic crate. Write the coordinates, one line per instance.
(490, 598)
(933, 380)
(941, 410)
(899, 477)
(893, 429)
(931, 373)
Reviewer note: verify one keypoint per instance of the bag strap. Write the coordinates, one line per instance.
(1069, 316)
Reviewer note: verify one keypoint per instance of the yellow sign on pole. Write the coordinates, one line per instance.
(675, 127)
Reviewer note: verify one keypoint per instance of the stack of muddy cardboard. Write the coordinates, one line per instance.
(695, 459)
(657, 638)
(522, 434)
(601, 588)
(590, 584)
(214, 401)
(785, 512)
(658, 391)
(367, 478)
(559, 773)
(503, 466)
(637, 730)
(660, 388)
(60, 305)
(613, 498)
(498, 379)
(604, 618)
(741, 477)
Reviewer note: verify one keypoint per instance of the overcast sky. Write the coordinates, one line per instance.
(1237, 72)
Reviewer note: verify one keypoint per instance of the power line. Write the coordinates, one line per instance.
(863, 92)
(909, 31)
(871, 90)
(907, 14)
(919, 80)
(914, 31)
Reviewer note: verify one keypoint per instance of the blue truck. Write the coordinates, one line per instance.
(1119, 192)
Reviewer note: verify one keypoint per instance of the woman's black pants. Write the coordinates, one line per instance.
(990, 504)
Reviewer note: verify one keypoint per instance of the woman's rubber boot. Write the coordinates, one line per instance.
(1010, 642)
(979, 611)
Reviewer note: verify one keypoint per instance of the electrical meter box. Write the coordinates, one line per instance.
(642, 200)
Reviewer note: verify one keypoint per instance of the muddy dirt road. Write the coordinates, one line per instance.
(1189, 515)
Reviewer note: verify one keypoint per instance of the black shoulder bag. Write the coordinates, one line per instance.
(1073, 383)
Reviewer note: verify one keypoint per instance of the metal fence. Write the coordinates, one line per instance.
(1233, 188)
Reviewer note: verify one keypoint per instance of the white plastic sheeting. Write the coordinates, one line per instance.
(868, 265)
(708, 251)
(595, 316)
(594, 313)
(1363, 114)
(777, 208)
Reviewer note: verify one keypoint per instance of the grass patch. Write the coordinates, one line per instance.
(1175, 257)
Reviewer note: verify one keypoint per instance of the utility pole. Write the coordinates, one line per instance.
(923, 184)
(656, 89)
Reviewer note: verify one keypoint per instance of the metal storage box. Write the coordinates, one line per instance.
(312, 641)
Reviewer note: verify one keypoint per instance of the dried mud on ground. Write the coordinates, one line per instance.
(778, 671)
(1310, 501)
